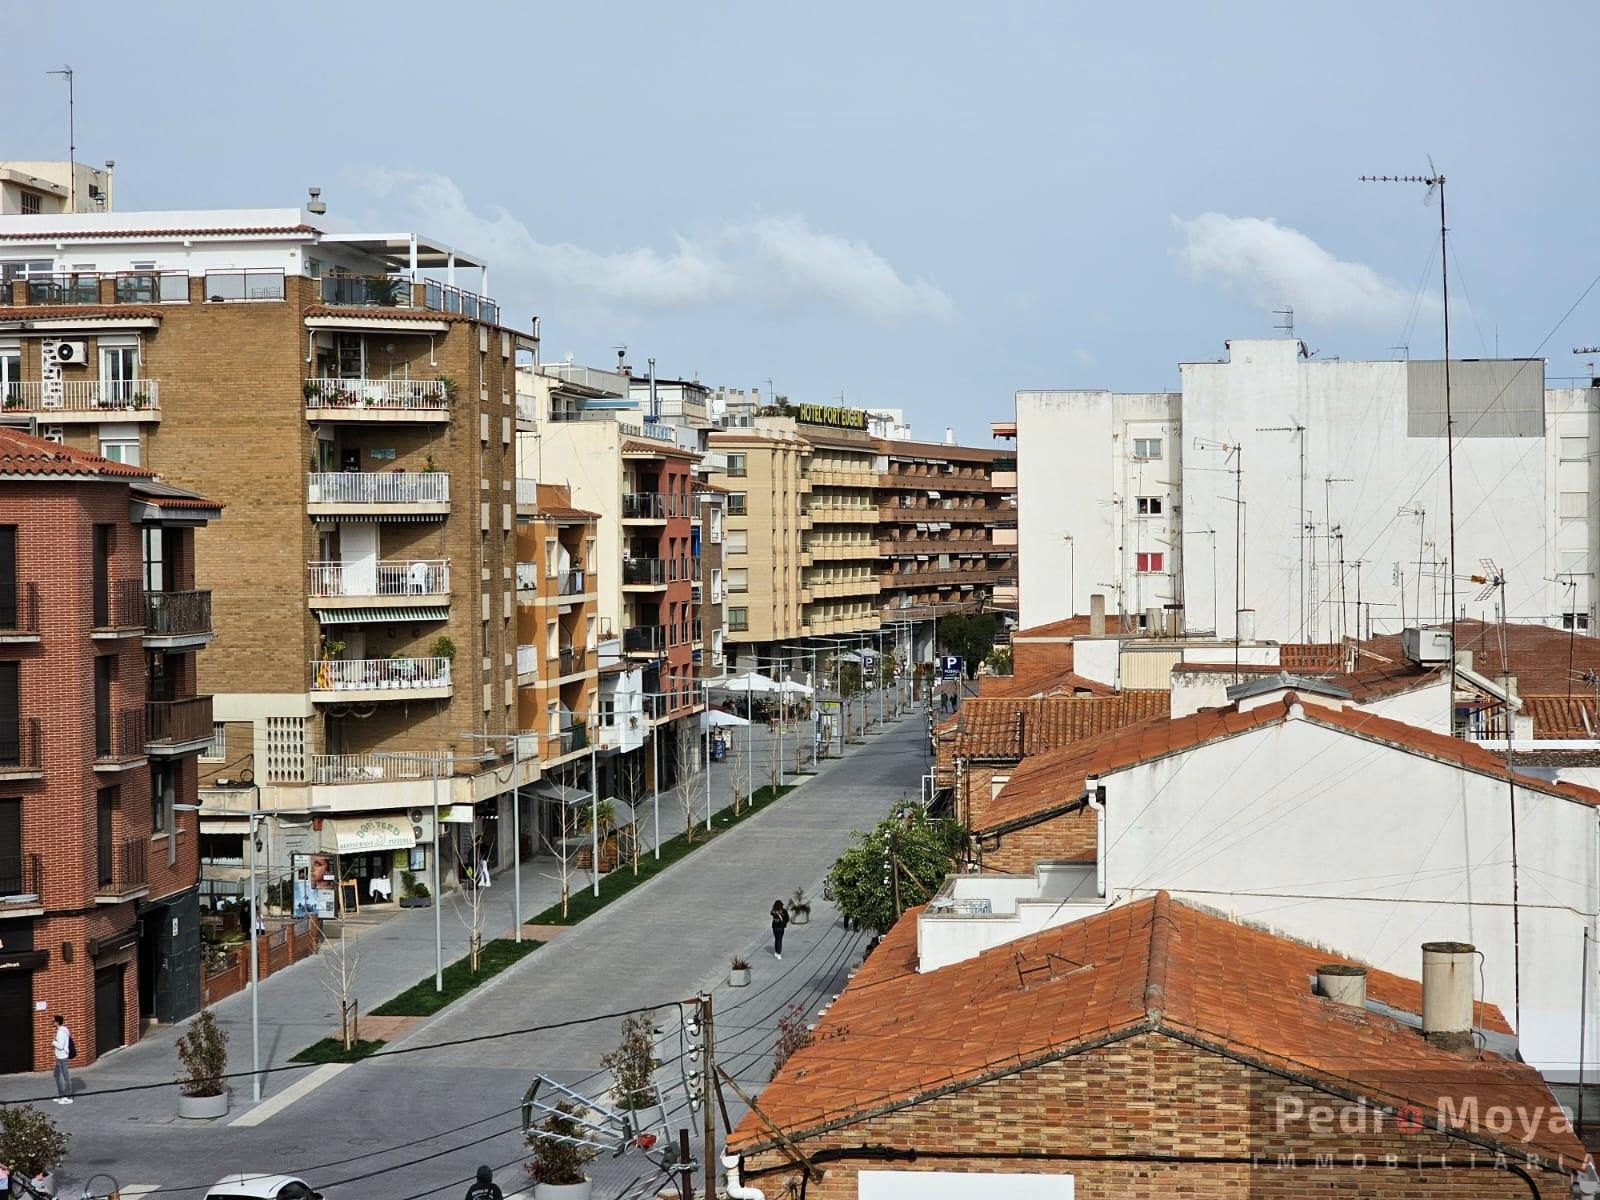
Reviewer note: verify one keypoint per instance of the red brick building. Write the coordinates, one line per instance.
(1153, 1050)
(100, 727)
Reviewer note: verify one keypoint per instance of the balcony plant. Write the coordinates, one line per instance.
(204, 1054)
(738, 972)
(799, 906)
(141, 400)
(443, 648)
(427, 467)
(451, 387)
(30, 1144)
(559, 1158)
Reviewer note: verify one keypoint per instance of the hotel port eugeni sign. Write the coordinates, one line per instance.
(837, 418)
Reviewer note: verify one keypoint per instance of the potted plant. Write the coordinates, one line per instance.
(738, 972)
(31, 1145)
(799, 907)
(443, 648)
(428, 467)
(451, 387)
(559, 1158)
(413, 892)
(204, 1054)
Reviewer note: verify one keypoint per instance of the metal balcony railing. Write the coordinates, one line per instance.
(572, 659)
(376, 768)
(176, 722)
(81, 395)
(21, 746)
(427, 395)
(122, 866)
(642, 638)
(644, 506)
(378, 674)
(20, 875)
(19, 611)
(177, 614)
(119, 735)
(127, 287)
(120, 605)
(385, 577)
(644, 571)
(571, 582)
(373, 487)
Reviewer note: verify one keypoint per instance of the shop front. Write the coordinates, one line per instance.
(369, 853)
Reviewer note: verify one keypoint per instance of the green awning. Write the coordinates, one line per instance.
(361, 616)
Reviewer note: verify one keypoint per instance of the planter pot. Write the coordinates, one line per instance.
(803, 917)
(563, 1191)
(203, 1108)
(739, 978)
(415, 901)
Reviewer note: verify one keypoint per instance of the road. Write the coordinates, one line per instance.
(353, 1130)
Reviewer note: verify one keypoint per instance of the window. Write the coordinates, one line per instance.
(217, 749)
(10, 374)
(101, 572)
(154, 566)
(163, 790)
(550, 557)
(1574, 449)
(104, 668)
(736, 465)
(29, 204)
(738, 579)
(1575, 620)
(10, 714)
(119, 372)
(11, 881)
(608, 713)
(1572, 505)
(736, 505)
(120, 449)
(1146, 562)
(105, 803)
(8, 577)
(1149, 506)
(1147, 448)
(736, 541)
(738, 619)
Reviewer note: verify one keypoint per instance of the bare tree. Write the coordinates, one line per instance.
(561, 847)
(691, 780)
(341, 961)
(468, 901)
(630, 783)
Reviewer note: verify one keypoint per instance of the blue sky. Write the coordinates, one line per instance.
(919, 205)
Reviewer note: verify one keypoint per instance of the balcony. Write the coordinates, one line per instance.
(83, 401)
(119, 740)
(644, 573)
(1004, 534)
(571, 582)
(389, 291)
(371, 495)
(370, 680)
(21, 883)
(843, 514)
(174, 620)
(572, 660)
(527, 663)
(644, 506)
(571, 740)
(339, 769)
(19, 614)
(122, 871)
(379, 401)
(118, 609)
(388, 584)
(174, 727)
(643, 639)
(20, 751)
(528, 495)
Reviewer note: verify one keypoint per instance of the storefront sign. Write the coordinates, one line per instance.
(313, 884)
(837, 418)
(372, 834)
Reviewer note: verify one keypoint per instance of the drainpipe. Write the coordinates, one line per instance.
(1096, 798)
(737, 1190)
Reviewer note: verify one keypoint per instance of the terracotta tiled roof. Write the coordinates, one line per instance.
(165, 495)
(81, 235)
(1058, 683)
(991, 728)
(636, 446)
(1311, 656)
(1376, 675)
(895, 1036)
(22, 454)
(1562, 716)
(56, 312)
(384, 313)
(1066, 627)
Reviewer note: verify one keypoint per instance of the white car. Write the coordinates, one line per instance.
(261, 1187)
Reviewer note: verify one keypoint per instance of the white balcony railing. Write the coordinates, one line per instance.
(527, 577)
(527, 492)
(373, 487)
(425, 394)
(376, 768)
(81, 395)
(527, 660)
(384, 577)
(379, 674)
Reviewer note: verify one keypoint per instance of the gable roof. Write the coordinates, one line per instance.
(24, 456)
(1151, 966)
(1066, 627)
(1065, 681)
(1012, 728)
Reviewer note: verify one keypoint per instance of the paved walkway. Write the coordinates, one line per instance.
(661, 943)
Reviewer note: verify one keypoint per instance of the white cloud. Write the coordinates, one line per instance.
(1272, 265)
(772, 260)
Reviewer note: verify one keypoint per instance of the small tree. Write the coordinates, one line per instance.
(30, 1143)
(562, 845)
(792, 1035)
(597, 822)
(340, 961)
(633, 1063)
(468, 903)
(204, 1054)
(898, 865)
(558, 1156)
(691, 776)
(630, 786)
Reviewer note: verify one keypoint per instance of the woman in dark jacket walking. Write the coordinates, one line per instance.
(780, 919)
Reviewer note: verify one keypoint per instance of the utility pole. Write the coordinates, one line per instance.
(1299, 432)
(707, 1113)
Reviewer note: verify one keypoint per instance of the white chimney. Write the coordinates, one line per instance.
(949, 435)
(1247, 625)
(1152, 622)
(1343, 984)
(1097, 615)
(1448, 971)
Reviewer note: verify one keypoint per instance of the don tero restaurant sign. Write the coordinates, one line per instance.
(838, 418)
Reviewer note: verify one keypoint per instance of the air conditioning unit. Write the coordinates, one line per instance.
(72, 354)
(1424, 646)
(416, 816)
(416, 832)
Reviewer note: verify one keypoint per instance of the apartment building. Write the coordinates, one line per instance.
(710, 596)
(840, 585)
(355, 406)
(940, 509)
(100, 730)
(49, 188)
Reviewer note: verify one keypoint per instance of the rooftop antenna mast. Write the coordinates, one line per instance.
(1234, 451)
(72, 140)
(1435, 181)
(1287, 324)
(1299, 432)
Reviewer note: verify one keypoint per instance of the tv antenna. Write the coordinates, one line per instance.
(72, 140)
(1299, 432)
(1287, 324)
(1435, 182)
(1234, 451)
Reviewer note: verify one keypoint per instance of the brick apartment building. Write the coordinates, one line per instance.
(1153, 1050)
(355, 408)
(100, 729)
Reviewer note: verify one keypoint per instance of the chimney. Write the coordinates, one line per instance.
(1447, 976)
(1152, 622)
(1246, 624)
(1343, 984)
(949, 435)
(1097, 615)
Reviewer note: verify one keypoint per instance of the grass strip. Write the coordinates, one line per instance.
(421, 1000)
(331, 1050)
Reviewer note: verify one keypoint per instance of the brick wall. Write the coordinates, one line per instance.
(1152, 1095)
(1068, 837)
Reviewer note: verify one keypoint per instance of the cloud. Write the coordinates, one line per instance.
(1272, 265)
(777, 261)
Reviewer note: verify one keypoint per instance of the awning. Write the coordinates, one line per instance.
(560, 792)
(372, 834)
(456, 814)
(353, 616)
(236, 828)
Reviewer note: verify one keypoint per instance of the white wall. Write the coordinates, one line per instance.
(587, 457)
(1076, 474)
(1572, 427)
(1370, 851)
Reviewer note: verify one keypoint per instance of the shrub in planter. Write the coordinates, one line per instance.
(557, 1162)
(799, 907)
(633, 1063)
(413, 892)
(30, 1143)
(204, 1054)
(738, 972)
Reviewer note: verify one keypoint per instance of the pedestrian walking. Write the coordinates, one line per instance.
(484, 1187)
(62, 1044)
(780, 921)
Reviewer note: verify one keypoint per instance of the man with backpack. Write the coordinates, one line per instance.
(62, 1044)
(485, 1188)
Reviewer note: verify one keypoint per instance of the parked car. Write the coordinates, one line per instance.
(261, 1187)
